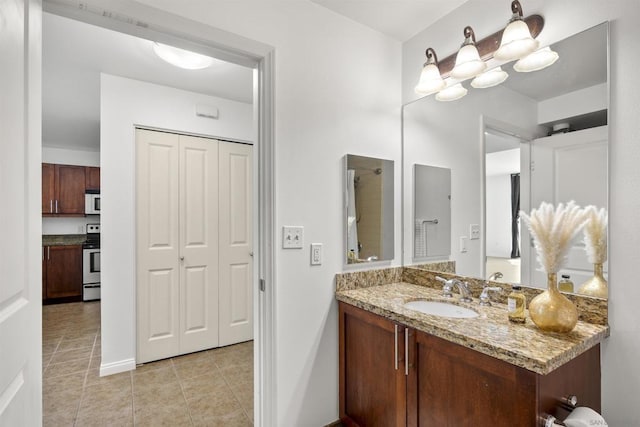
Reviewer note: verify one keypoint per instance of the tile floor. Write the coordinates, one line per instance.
(208, 388)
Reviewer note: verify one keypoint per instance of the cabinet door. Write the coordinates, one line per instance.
(64, 271)
(450, 385)
(92, 178)
(48, 188)
(372, 371)
(70, 182)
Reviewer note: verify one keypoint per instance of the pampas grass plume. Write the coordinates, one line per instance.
(553, 229)
(595, 234)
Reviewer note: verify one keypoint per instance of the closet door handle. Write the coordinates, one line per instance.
(181, 258)
(396, 347)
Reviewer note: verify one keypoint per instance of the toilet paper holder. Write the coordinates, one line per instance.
(567, 402)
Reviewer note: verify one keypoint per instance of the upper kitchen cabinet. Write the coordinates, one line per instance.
(92, 178)
(63, 188)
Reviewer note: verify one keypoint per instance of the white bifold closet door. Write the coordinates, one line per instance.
(179, 224)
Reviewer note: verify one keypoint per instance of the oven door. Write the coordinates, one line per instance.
(91, 266)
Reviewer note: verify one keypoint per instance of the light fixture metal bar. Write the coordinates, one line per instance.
(488, 45)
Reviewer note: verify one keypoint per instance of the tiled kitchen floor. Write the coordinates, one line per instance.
(209, 388)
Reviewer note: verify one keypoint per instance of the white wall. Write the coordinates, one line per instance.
(63, 156)
(498, 219)
(337, 91)
(620, 370)
(125, 103)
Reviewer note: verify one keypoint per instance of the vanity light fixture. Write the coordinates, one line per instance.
(452, 93)
(490, 78)
(430, 79)
(468, 62)
(517, 41)
(182, 58)
(537, 60)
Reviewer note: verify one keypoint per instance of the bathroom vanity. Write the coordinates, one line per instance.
(400, 367)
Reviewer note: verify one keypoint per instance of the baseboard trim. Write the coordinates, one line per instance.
(117, 367)
(334, 424)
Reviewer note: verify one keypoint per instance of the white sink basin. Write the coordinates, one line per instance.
(442, 309)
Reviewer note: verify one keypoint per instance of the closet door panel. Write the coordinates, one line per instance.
(198, 243)
(236, 238)
(157, 245)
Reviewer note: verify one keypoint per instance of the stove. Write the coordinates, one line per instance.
(91, 264)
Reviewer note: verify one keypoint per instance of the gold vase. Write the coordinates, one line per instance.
(551, 311)
(597, 285)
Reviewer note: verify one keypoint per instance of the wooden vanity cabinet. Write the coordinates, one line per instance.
(62, 272)
(446, 384)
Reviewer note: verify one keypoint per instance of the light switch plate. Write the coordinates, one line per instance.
(463, 243)
(316, 253)
(474, 231)
(292, 237)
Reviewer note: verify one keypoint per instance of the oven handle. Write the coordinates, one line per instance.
(91, 286)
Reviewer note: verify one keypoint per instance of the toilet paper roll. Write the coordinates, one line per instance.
(584, 417)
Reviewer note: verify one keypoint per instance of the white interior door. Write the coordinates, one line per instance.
(236, 261)
(20, 267)
(571, 166)
(158, 245)
(198, 243)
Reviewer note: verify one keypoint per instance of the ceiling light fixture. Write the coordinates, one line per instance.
(452, 93)
(430, 79)
(468, 62)
(537, 60)
(517, 41)
(490, 78)
(182, 58)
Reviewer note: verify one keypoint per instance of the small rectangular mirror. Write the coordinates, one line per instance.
(369, 209)
(431, 213)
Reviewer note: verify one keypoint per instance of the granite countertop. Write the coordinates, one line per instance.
(491, 333)
(63, 239)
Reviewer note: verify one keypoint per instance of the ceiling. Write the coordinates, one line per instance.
(74, 55)
(400, 19)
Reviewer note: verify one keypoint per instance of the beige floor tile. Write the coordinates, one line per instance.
(195, 368)
(61, 400)
(234, 419)
(192, 357)
(169, 418)
(118, 380)
(66, 368)
(59, 419)
(71, 344)
(105, 406)
(204, 384)
(213, 405)
(152, 366)
(75, 354)
(65, 382)
(154, 378)
(159, 395)
(105, 422)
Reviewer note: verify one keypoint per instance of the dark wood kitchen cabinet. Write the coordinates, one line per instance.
(62, 272)
(63, 188)
(92, 178)
(446, 384)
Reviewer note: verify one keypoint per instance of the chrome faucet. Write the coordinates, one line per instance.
(494, 276)
(463, 288)
(484, 296)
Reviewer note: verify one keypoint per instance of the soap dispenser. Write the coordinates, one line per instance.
(516, 302)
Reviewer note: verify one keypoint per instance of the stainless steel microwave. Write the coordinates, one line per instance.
(92, 204)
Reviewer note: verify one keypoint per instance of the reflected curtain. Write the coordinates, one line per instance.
(515, 215)
(352, 224)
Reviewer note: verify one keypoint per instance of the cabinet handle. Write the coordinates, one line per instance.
(406, 351)
(48, 252)
(56, 206)
(43, 253)
(51, 206)
(396, 348)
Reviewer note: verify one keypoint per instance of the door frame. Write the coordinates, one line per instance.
(150, 23)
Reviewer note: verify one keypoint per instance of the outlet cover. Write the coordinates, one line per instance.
(292, 237)
(474, 231)
(316, 253)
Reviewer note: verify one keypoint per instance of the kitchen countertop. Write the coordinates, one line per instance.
(63, 239)
(491, 333)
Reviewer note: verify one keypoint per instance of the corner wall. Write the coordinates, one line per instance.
(620, 370)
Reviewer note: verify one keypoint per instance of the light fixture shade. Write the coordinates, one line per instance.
(430, 79)
(451, 93)
(182, 58)
(537, 60)
(468, 63)
(490, 78)
(516, 42)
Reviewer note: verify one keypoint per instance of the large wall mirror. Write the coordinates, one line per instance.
(539, 136)
(369, 207)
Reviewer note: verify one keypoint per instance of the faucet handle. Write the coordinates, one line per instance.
(484, 296)
(447, 288)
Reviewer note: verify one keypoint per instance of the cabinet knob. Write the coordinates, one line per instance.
(181, 258)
